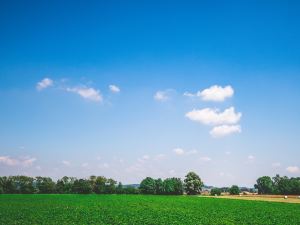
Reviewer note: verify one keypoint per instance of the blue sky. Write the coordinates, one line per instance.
(205, 86)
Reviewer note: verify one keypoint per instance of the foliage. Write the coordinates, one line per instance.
(264, 185)
(148, 186)
(193, 184)
(215, 191)
(172, 186)
(142, 209)
(234, 190)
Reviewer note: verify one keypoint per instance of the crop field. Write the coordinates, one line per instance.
(142, 209)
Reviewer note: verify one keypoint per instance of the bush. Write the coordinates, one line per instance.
(215, 191)
(234, 190)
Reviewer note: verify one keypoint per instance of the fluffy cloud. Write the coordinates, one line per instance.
(210, 116)
(214, 93)
(66, 163)
(293, 169)
(114, 88)
(224, 130)
(46, 82)
(23, 161)
(87, 93)
(162, 96)
(180, 151)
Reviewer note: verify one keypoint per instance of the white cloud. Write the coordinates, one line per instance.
(188, 94)
(251, 157)
(205, 159)
(180, 151)
(293, 169)
(87, 93)
(8, 161)
(23, 161)
(228, 153)
(210, 116)
(114, 88)
(66, 163)
(162, 96)
(216, 93)
(46, 82)
(224, 130)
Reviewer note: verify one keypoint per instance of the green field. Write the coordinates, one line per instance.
(141, 209)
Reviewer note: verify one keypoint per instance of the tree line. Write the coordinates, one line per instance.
(278, 185)
(65, 185)
(98, 185)
(191, 185)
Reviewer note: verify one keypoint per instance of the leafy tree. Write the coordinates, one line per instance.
(159, 186)
(119, 189)
(234, 190)
(215, 191)
(148, 186)
(45, 185)
(82, 186)
(99, 187)
(264, 185)
(65, 185)
(110, 186)
(193, 184)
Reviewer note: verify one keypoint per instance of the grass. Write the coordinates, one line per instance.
(141, 209)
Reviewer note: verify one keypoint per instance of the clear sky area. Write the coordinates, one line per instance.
(129, 89)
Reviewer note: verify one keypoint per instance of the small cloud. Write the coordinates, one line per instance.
(146, 157)
(162, 96)
(210, 116)
(87, 93)
(293, 169)
(114, 88)
(205, 159)
(46, 82)
(178, 151)
(228, 153)
(276, 164)
(8, 161)
(188, 94)
(22, 161)
(224, 130)
(216, 93)
(66, 163)
(28, 161)
(251, 157)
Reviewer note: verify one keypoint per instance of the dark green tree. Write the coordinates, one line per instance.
(119, 188)
(215, 191)
(234, 190)
(82, 186)
(264, 185)
(193, 184)
(159, 186)
(148, 186)
(45, 185)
